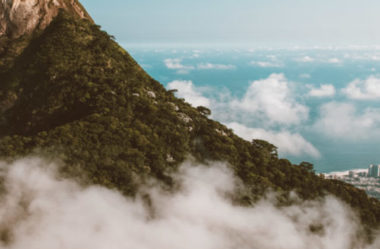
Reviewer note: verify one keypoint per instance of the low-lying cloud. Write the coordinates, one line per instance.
(40, 210)
(272, 100)
(266, 103)
(345, 121)
(288, 143)
(177, 64)
(326, 90)
(305, 59)
(368, 89)
(334, 61)
(211, 66)
(266, 64)
(188, 91)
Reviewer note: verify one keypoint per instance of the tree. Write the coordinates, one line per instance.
(307, 166)
(204, 110)
(264, 145)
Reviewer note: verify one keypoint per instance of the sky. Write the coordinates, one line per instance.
(253, 22)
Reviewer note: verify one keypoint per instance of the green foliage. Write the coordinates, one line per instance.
(81, 97)
(203, 110)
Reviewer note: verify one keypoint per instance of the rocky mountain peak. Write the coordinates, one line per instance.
(21, 17)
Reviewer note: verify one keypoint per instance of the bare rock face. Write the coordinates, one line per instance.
(19, 19)
(22, 17)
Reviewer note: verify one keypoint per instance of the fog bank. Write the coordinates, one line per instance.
(40, 210)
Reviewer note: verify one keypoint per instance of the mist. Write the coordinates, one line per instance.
(41, 210)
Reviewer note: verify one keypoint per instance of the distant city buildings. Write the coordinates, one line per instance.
(351, 174)
(362, 174)
(374, 170)
(367, 180)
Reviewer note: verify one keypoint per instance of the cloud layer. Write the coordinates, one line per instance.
(177, 64)
(266, 103)
(368, 89)
(287, 142)
(266, 64)
(40, 210)
(326, 90)
(273, 100)
(187, 90)
(211, 66)
(345, 121)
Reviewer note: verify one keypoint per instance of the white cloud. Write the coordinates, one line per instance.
(322, 91)
(272, 57)
(40, 210)
(375, 57)
(306, 59)
(187, 90)
(272, 100)
(362, 56)
(334, 61)
(176, 64)
(266, 102)
(344, 121)
(266, 64)
(196, 53)
(368, 89)
(287, 143)
(205, 66)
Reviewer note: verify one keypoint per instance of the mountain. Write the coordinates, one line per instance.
(72, 93)
(18, 17)
(21, 20)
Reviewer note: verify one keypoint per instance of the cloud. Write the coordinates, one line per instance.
(205, 66)
(40, 210)
(370, 56)
(267, 103)
(334, 61)
(344, 121)
(272, 57)
(306, 59)
(196, 53)
(266, 64)
(273, 63)
(368, 89)
(287, 143)
(176, 64)
(187, 90)
(272, 100)
(322, 91)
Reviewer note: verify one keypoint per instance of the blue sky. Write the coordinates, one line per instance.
(253, 22)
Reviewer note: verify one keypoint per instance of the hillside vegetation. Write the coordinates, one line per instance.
(76, 95)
